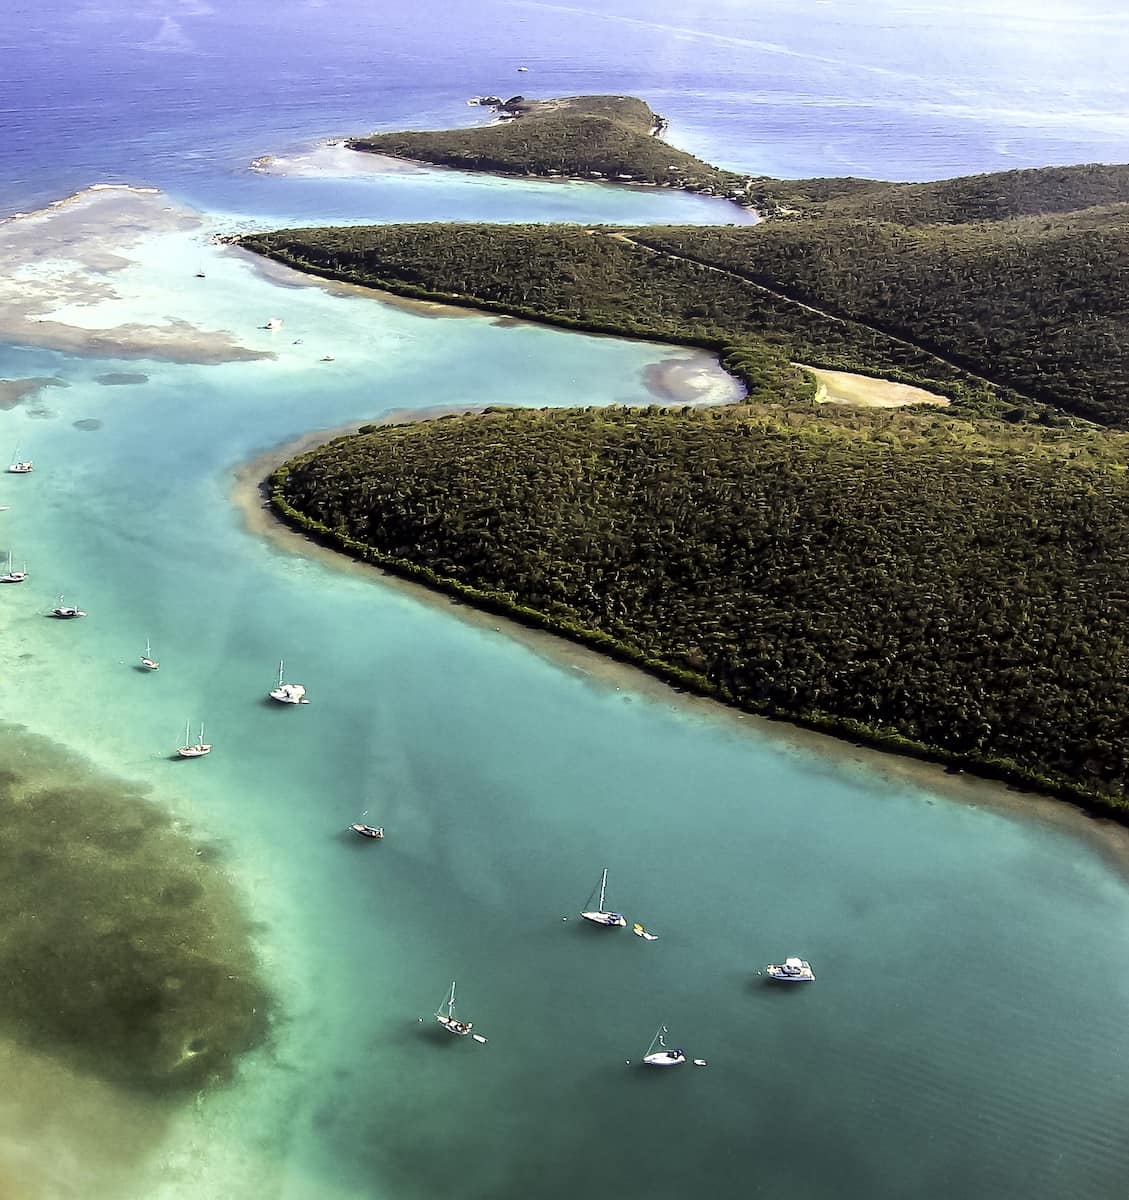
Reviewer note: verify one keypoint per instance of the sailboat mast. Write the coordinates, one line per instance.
(451, 1001)
(187, 728)
(603, 888)
(280, 672)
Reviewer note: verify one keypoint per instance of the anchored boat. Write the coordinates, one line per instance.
(791, 970)
(288, 693)
(148, 661)
(13, 576)
(197, 749)
(660, 1055)
(66, 612)
(445, 1015)
(599, 915)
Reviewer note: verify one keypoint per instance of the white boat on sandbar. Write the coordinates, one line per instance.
(195, 749)
(288, 693)
(791, 970)
(660, 1055)
(13, 576)
(148, 661)
(600, 915)
(66, 612)
(445, 1015)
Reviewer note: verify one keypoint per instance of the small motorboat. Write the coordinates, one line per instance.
(327, 358)
(791, 970)
(66, 612)
(659, 1055)
(273, 324)
(368, 831)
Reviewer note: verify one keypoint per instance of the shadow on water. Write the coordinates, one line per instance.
(123, 948)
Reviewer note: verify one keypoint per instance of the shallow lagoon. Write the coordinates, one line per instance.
(947, 1048)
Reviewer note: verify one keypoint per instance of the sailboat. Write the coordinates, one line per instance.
(288, 693)
(659, 1056)
(188, 750)
(367, 831)
(445, 1015)
(13, 576)
(20, 466)
(66, 612)
(598, 915)
(148, 661)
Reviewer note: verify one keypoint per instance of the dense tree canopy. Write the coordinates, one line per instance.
(963, 586)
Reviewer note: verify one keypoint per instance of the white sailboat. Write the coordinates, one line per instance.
(791, 970)
(445, 1015)
(13, 576)
(66, 612)
(658, 1055)
(20, 466)
(148, 661)
(197, 750)
(599, 915)
(367, 831)
(288, 693)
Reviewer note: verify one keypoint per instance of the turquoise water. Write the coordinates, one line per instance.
(965, 1036)
(965, 1029)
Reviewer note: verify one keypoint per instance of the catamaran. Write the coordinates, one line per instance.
(288, 693)
(13, 576)
(445, 1015)
(658, 1055)
(599, 915)
(197, 750)
(148, 661)
(20, 466)
(791, 970)
(66, 612)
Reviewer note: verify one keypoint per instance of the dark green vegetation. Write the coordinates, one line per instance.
(1026, 317)
(575, 135)
(920, 581)
(606, 281)
(122, 948)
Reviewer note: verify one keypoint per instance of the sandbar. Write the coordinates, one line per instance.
(845, 387)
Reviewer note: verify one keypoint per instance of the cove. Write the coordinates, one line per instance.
(947, 1047)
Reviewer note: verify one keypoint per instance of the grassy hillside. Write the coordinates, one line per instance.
(910, 578)
(608, 136)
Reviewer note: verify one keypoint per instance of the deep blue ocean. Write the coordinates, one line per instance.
(183, 93)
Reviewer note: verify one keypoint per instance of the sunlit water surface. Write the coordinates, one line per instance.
(965, 1035)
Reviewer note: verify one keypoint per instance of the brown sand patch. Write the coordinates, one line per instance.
(843, 387)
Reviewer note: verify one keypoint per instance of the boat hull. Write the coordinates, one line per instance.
(783, 974)
(458, 1028)
(194, 751)
(609, 920)
(665, 1058)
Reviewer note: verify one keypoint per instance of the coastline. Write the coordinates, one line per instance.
(249, 494)
(327, 157)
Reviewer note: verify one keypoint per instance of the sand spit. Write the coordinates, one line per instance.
(865, 391)
(74, 257)
(333, 159)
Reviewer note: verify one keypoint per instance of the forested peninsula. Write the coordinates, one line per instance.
(950, 583)
(921, 582)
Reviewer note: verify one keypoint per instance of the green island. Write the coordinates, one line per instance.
(588, 137)
(949, 583)
(124, 951)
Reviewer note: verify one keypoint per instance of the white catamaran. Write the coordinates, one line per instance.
(148, 661)
(599, 915)
(445, 1015)
(66, 612)
(197, 750)
(658, 1055)
(13, 576)
(288, 693)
